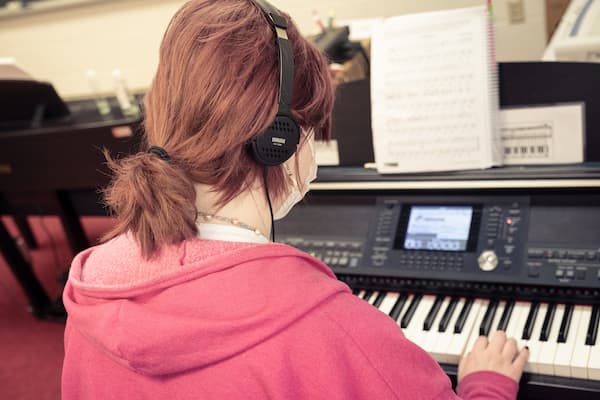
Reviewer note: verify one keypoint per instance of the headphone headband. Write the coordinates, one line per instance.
(286, 58)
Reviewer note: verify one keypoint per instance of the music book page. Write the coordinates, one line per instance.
(434, 92)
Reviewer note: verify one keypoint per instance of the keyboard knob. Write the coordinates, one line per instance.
(488, 261)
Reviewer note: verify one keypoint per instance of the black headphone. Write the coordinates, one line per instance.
(280, 140)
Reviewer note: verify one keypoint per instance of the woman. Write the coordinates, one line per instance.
(188, 298)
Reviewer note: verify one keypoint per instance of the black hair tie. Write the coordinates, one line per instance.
(159, 151)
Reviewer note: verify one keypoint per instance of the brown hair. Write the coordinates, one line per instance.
(215, 89)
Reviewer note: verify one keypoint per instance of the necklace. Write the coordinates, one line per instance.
(233, 221)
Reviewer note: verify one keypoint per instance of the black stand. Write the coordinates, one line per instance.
(38, 299)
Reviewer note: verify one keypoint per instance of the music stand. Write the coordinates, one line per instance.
(27, 103)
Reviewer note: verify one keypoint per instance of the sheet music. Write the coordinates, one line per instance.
(434, 97)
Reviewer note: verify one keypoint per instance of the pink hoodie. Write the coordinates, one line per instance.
(223, 320)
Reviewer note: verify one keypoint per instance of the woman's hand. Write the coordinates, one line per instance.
(498, 354)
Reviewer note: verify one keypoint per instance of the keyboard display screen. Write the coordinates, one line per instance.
(444, 228)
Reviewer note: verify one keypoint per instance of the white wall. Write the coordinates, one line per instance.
(59, 46)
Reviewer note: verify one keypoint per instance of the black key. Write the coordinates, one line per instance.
(355, 291)
(368, 294)
(410, 311)
(505, 318)
(462, 317)
(547, 322)
(565, 324)
(435, 308)
(447, 314)
(533, 312)
(395, 312)
(592, 331)
(488, 318)
(379, 299)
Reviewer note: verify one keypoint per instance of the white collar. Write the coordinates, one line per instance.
(228, 233)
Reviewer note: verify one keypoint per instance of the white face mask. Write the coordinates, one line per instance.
(296, 195)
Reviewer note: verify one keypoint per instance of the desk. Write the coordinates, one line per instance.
(38, 170)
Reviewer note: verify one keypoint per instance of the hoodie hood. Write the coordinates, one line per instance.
(201, 310)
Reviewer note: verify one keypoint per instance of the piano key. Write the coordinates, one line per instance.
(355, 291)
(522, 308)
(545, 361)
(475, 333)
(488, 318)
(592, 330)
(581, 351)
(447, 318)
(361, 294)
(517, 320)
(442, 345)
(564, 349)
(534, 343)
(464, 314)
(402, 303)
(431, 336)
(547, 325)
(432, 314)
(565, 324)
(373, 297)
(528, 328)
(388, 302)
(414, 329)
(462, 343)
(410, 311)
(506, 316)
(497, 316)
(593, 367)
(367, 295)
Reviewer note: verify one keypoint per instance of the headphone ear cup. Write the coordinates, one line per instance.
(278, 143)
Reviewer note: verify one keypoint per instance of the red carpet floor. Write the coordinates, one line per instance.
(31, 350)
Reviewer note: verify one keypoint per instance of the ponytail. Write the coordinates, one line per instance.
(154, 200)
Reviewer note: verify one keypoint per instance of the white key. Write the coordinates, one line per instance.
(388, 302)
(415, 328)
(534, 343)
(373, 297)
(517, 322)
(361, 294)
(564, 351)
(581, 351)
(546, 357)
(442, 345)
(430, 337)
(483, 305)
(593, 367)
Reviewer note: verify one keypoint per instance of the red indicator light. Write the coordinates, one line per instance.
(509, 221)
